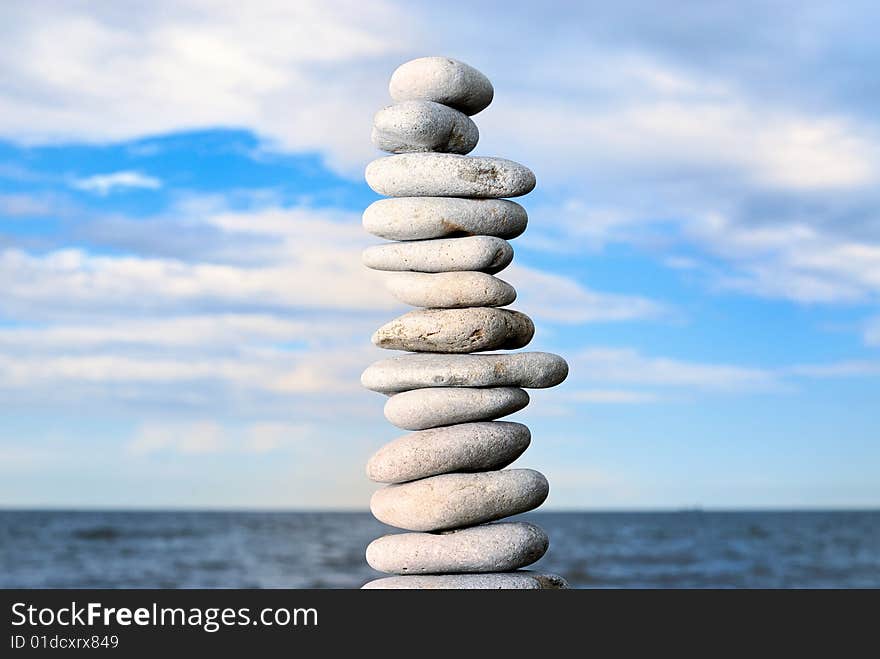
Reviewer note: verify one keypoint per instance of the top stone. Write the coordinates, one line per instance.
(442, 80)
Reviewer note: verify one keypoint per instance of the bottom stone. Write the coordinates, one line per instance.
(522, 580)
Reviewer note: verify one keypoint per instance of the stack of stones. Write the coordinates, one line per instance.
(448, 213)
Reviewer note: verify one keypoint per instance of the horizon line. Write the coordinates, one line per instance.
(351, 510)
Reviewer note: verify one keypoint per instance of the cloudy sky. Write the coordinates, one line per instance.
(184, 317)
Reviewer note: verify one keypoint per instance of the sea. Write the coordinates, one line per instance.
(687, 549)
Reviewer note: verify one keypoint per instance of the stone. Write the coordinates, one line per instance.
(480, 253)
(420, 218)
(450, 290)
(498, 547)
(418, 126)
(521, 580)
(456, 330)
(442, 80)
(444, 406)
(479, 446)
(451, 501)
(448, 175)
(549, 581)
(529, 370)
(448, 483)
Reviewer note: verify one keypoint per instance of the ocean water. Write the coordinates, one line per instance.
(40, 549)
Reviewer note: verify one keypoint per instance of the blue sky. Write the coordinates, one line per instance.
(184, 317)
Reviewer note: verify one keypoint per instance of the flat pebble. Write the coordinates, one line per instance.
(531, 370)
(488, 548)
(479, 446)
(451, 501)
(419, 126)
(442, 80)
(450, 290)
(444, 406)
(419, 218)
(456, 330)
(480, 253)
(521, 580)
(448, 175)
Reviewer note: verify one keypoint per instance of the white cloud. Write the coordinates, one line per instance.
(844, 369)
(103, 184)
(297, 258)
(192, 438)
(561, 299)
(612, 396)
(651, 119)
(785, 259)
(649, 136)
(311, 261)
(604, 365)
(286, 318)
(306, 75)
(792, 260)
(692, 160)
(628, 366)
(571, 225)
(291, 319)
(267, 436)
(27, 457)
(20, 205)
(207, 331)
(329, 371)
(671, 157)
(203, 437)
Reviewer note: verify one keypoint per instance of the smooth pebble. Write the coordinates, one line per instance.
(444, 406)
(419, 126)
(480, 253)
(521, 580)
(451, 501)
(488, 548)
(450, 290)
(448, 175)
(442, 80)
(419, 218)
(456, 330)
(531, 370)
(479, 446)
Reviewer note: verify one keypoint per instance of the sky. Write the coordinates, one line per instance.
(183, 312)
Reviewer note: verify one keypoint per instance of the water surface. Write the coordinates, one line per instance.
(40, 549)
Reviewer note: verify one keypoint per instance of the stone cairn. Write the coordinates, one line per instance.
(448, 213)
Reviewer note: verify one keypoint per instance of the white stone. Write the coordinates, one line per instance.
(420, 218)
(448, 175)
(530, 370)
(488, 548)
(479, 446)
(521, 580)
(456, 330)
(444, 406)
(419, 126)
(451, 501)
(449, 290)
(442, 80)
(481, 253)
